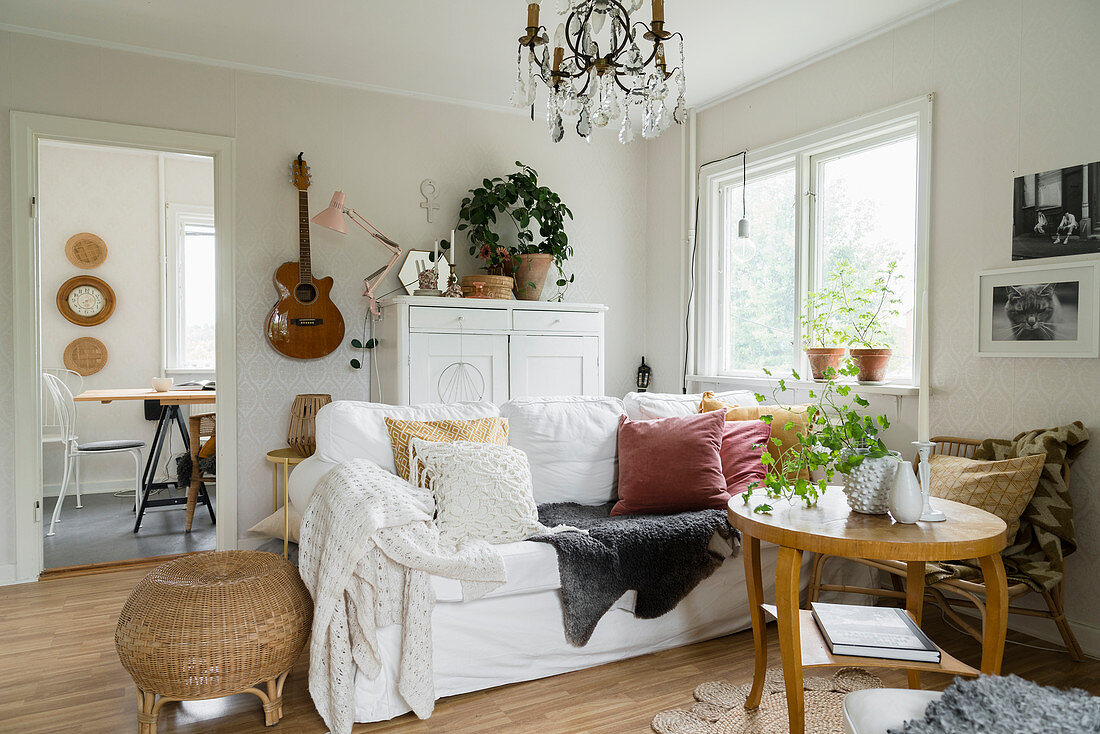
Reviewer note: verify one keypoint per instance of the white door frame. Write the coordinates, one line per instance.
(27, 129)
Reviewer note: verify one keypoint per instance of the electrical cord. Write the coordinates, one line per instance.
(695, 248)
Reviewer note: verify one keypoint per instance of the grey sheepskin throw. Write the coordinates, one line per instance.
(661, 557)
(1007, 705)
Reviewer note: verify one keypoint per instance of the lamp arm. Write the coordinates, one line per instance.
(372, 230)
(373, 280)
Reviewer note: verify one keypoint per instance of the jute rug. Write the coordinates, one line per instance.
(721, 706)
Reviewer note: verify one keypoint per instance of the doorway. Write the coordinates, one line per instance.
(122, 270)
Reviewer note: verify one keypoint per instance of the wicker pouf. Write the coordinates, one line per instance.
(214, 624)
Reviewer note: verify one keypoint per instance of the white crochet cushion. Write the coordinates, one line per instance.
(481, 490)
(650, 405)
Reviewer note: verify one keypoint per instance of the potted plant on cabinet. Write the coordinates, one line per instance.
(839, 437)
(521, 199)
(867, 310)
(821, 329)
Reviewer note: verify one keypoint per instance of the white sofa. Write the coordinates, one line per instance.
(516, 633)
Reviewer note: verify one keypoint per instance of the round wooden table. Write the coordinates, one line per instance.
(830, 527)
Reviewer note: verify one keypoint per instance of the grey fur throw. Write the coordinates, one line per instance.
(1007, 705)
(662, 557)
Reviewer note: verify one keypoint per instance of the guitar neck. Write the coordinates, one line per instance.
(305, 272)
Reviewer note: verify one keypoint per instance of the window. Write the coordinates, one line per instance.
(189, 290)
(854, 192)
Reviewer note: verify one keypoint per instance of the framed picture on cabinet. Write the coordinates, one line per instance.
(1039, 311)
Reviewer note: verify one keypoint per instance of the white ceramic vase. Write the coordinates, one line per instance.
(868, 485)
(906, 500)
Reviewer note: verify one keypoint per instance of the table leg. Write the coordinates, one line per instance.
(996, 613)
(790, 639)
(750, 550)
(914, 603)
(274, 487)
(151, 467)
(286, 513)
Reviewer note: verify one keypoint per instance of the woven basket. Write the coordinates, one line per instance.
(496, 286)
(208, 625)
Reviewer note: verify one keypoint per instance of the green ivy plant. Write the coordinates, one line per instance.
(837, 439)
(529, 207)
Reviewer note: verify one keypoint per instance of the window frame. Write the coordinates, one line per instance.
(177, 216)
(891, 123)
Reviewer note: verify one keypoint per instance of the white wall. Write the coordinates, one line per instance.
(376, 148)
(1016, 92)
(113, 193)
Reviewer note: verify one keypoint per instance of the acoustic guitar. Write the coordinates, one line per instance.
(305, 323)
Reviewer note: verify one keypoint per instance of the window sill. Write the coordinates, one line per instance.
(199, 373)
(763, 382)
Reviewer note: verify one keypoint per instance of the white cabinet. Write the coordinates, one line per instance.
(451, 350)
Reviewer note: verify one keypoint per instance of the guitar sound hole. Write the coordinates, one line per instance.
(305, 293)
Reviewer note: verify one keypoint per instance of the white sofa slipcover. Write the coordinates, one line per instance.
(516, 632)
(649, 405)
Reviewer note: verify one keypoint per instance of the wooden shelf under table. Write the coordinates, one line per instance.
(815, 652)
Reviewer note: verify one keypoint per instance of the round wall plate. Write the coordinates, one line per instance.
(85, 300)
(85, 355)
(86, 250)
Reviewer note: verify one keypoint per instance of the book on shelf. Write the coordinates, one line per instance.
(195, 385)
(873, 632)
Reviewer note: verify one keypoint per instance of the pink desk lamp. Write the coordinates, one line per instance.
(333, 218)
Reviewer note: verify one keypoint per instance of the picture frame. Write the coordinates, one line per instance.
(1050, 310)
(1054, 213)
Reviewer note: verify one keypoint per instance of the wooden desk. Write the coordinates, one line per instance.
(170, 402)
(832, 528)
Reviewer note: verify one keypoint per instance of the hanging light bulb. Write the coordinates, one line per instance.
(744, 249)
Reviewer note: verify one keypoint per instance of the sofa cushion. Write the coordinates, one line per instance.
(786, 423)
(1003, 488)
(348, 429)
(649, 405)
(478, 430)
(743, 442)
(671, 465)
(570, 443)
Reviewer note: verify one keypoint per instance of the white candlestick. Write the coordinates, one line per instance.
(452, 258)
(924, 432)
(435, 250)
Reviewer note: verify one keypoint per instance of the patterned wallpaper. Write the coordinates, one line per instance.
(1015, 93)
(377, 149)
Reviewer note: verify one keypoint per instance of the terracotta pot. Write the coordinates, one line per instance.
(871, 363)
(530, 275)
(822, 358)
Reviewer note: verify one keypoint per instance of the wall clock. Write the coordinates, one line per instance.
(86, 250)
(85, 300)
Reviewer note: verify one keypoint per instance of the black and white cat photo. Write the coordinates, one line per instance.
(1035, 312)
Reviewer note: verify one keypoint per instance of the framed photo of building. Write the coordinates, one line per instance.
(1056, 214)
(1040, 311)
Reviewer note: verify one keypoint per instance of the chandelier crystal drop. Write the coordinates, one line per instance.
(603, 67)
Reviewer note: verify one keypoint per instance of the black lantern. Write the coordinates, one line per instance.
(644, 373)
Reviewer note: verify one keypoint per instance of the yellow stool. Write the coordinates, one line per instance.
(285, 458)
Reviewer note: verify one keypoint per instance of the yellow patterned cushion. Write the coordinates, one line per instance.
(1001, 487)
(479, 430)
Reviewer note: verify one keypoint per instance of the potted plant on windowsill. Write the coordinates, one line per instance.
(868, 310)
(838, 438)
(821, 329)
(521, 199)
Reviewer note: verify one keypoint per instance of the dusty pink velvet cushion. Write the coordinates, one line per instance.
(740, 460)
(671, 465)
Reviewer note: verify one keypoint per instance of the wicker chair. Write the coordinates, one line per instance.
(952, 593)
(199, 426)
(208, 625)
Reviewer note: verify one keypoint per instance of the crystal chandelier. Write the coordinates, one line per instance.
(595, 69)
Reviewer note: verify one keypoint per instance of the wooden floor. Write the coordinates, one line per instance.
(59, 673)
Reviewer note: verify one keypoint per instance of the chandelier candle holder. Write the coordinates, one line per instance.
(595, 69)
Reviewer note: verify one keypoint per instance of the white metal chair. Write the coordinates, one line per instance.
(51, 428)
(65, 413)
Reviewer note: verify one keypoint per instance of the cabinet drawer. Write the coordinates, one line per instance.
(468, 319)
(555, 321)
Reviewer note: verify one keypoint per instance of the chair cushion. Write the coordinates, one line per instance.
(115, 445)
(878, 710)
(1003, 488)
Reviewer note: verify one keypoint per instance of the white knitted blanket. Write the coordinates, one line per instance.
(368, 546)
